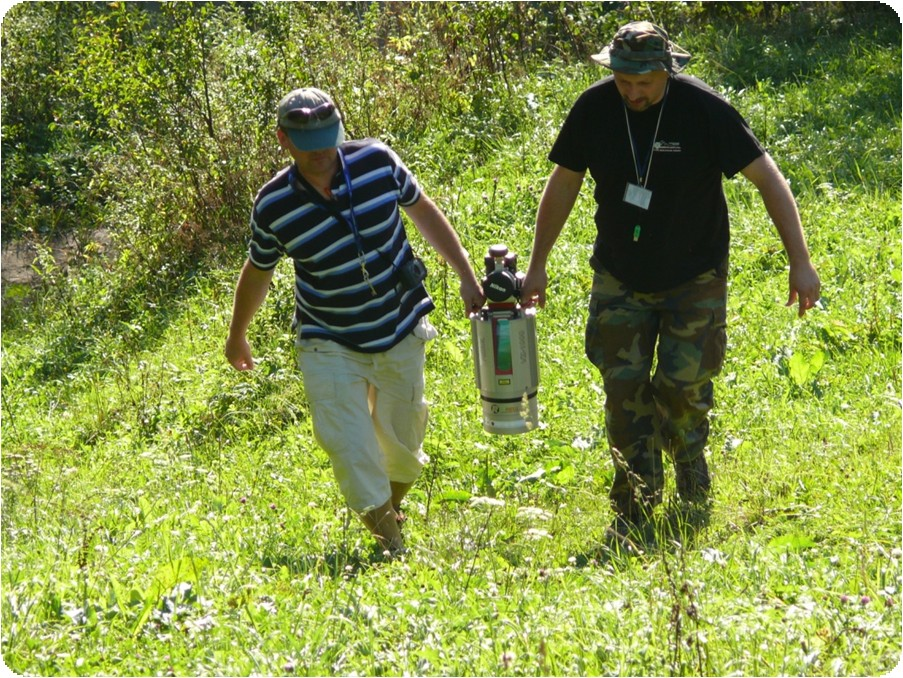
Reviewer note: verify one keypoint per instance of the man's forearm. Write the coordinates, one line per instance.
(433, 225)
(555, 207)
(804, 283)
(250, 293)
(781, 207)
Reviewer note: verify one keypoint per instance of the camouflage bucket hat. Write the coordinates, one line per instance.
(641, 47)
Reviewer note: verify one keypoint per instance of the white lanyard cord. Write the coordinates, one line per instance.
(636, 167)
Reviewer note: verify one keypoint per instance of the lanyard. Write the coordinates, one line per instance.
(352, 222)
(643, 179)
(337, 214)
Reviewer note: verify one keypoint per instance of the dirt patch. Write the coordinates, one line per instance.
(18, 258)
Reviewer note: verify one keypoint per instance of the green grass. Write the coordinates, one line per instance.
(164, 514)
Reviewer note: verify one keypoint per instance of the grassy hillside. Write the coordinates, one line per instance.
(164, 514)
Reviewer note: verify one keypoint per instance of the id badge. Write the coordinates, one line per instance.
(638, 196)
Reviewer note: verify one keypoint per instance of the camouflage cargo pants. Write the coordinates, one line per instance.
(645, 411)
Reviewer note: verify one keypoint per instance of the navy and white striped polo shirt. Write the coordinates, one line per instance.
(332, 298)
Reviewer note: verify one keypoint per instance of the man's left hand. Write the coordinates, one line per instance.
(805, 287)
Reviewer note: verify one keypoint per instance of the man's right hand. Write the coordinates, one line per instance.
(533, 288)
(238, 353)
(252, 288)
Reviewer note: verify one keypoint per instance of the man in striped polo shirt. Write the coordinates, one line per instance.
(360, 305)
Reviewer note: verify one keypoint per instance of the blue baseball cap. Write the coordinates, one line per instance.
(310, 119)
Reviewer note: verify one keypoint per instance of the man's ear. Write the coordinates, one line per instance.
(283, 138)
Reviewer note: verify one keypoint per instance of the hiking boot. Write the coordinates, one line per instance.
(400, 517)
(629, 536)
(693, 481)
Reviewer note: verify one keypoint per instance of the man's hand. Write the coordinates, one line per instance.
(238, 353)
(805, 287)
(471, 295)
(253, 284)
(533, 288)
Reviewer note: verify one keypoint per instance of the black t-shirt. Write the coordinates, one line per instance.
(685, 231)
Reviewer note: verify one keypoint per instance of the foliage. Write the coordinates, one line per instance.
(165, 514)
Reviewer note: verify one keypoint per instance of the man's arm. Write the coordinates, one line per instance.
(433, 225)
(805, 285)
(250, 292)
(555, 207)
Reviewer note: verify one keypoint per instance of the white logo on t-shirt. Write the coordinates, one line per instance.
(667, 146)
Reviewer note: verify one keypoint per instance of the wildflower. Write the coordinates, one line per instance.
(581, 443)
(486, 501)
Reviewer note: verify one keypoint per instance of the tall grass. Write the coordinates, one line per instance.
(164, 514)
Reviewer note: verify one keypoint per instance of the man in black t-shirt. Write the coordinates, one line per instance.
(657, 145)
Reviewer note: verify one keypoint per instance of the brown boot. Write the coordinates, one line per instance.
(693, 480)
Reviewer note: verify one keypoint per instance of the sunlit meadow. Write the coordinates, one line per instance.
(165, 515)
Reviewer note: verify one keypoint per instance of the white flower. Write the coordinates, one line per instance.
(486, 501)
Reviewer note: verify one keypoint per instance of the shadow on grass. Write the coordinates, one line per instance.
(341, 562)
(682, 524)
(678, 528)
